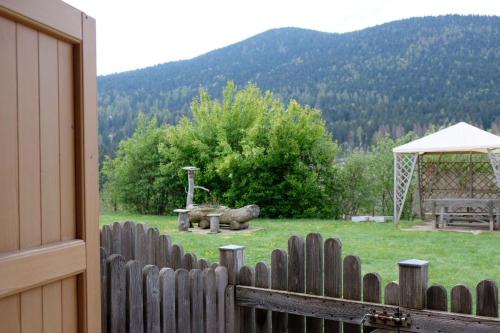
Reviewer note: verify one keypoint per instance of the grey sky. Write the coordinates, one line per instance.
(135, 34)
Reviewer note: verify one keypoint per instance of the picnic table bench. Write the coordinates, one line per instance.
(472, 210)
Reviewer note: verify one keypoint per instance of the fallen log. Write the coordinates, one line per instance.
(236, 219)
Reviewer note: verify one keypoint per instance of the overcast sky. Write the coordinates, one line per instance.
(135, 34)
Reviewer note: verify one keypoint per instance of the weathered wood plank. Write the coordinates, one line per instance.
(372, 292)
(279, 281)
(354, 311)
(140, 244)
(106, 236)
(151, 298)
(167, 300)
(487, 299)
(128, 239)
(333, 277)
(177, 255)
(203, 264)
(210, 287)
(196, 291)
(221, 281)
(391, 294)
(189, 261)
(104, 292)
(152, 243)
(296, 278)
(116, 238)
(230, 307)
(352, 286)
(164, 251)
(461, 299)
(437, 298)
(314, 275)
(247, 315)
(262, 280)
(115, 267)
(134, 298)
(182, 301)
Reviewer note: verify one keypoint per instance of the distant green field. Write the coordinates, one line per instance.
(454, 257)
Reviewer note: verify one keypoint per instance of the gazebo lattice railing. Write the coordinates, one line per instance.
(440, 178)
(404, 166)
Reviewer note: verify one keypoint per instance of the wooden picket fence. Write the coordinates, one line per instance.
(150, 285)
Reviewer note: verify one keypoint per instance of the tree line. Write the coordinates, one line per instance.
(391, 79)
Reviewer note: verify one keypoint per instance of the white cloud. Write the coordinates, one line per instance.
(134, 34)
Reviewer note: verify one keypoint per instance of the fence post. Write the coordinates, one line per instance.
(413, 278)
(233, 258)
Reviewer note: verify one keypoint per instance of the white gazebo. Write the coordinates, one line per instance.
(457, 139)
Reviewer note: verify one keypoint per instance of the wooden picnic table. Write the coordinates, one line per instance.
(465, 209)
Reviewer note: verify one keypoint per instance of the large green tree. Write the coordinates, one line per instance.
(250, 148)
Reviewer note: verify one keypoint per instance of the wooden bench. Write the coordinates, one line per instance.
(445, 211)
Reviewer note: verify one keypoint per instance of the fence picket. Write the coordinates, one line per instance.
(115, 266)
(140, 244)
(221, 281)
(231, 323)
(262, 280)
(279, 281)
(391, 293)
(128, 239)
(487, 299)
(151, 293)
(196, 292)
(352, 286)
(437, 298)
(163, 251)
(134, 298)
(104, 292)
(167, 300)
(333, 277)
(296, 278)
(461, 299)
(189, 261)
(203, 264)
(106, 236)
(210, 294)
(152, 236)
(247, 315)
(182, 301)
(177, 255)
(314, 275)
(116, 238)
(372, 292)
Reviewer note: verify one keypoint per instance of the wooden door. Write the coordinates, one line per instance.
(49, 246)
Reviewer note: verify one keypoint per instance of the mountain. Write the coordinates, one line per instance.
(396, 77)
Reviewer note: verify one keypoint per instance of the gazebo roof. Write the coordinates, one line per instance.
(458, 138)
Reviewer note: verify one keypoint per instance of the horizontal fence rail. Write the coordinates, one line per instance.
(354, 312)
(151, 285)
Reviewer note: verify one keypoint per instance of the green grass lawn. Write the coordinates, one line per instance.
(454, 257)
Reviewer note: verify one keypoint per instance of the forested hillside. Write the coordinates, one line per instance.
(392, 78)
